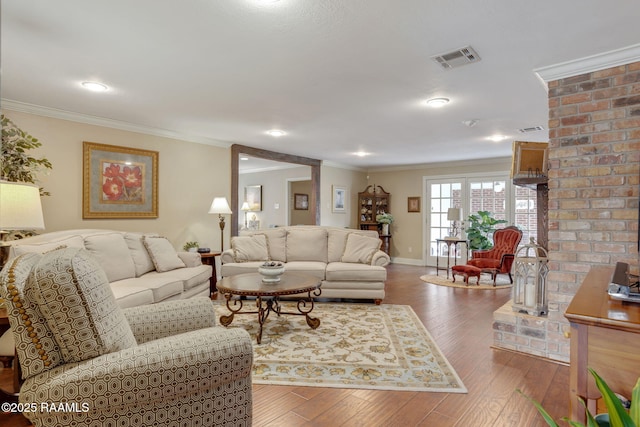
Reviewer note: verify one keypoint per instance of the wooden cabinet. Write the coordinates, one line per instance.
(371, 202)
(604, 336)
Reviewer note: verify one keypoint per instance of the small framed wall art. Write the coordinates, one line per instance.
(413, 204)
(119, 182)
(253, 196)
(338, 199)
(301, 201)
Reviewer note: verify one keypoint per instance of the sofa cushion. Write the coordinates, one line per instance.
(141, 258)
(161, 285)
(311, 268)
(250, 248)
(240, 268)
(306, 244)
(188, 277)
(36, 346)
(113, 255)
(349, 271)
(162, 253)
(360, 249)
(79, 307)
(131, 296)
(68, 242)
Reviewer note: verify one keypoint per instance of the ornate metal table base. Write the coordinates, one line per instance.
(271, 304)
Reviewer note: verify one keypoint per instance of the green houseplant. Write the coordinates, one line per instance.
(17, 164)
(618, 415)
(481, 226)
(191, 246)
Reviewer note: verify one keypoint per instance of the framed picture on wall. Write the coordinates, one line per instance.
(301, 201)
(253, 196)
(413, 204)
(339, 199)
(119, 182)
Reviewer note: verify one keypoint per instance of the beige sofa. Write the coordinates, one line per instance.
(348, 262)
(141, 268)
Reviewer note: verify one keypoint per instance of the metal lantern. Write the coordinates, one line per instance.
(530, 271)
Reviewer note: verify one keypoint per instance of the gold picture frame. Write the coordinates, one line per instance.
(413, 204)
(119, 182)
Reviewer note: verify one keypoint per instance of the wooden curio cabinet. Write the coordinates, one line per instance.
(371, 202)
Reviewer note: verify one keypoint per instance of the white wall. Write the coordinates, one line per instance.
(190, 175)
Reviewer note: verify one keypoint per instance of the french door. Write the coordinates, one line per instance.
(471, 194)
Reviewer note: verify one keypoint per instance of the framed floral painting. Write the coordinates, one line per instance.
(119, 182)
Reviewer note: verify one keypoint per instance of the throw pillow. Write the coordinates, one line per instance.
(360, 249)
(163, 254)
(36, 346)
(141, 258)
(113, 255)
(74, 296)
(250, 248)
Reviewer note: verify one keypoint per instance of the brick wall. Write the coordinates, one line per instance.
(594, 181)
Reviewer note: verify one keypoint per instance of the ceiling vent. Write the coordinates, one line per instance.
(531, 129)
(463, 56)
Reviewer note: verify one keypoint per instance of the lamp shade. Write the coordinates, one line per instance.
(245, 207)
(220, 206)
(20, 206)
(454, 214)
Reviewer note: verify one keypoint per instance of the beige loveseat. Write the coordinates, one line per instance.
(141, 268)
(349, 262)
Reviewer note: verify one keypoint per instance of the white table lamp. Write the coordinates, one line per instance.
(245, 208)
(454, 215)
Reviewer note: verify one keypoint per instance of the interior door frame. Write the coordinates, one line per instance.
(238, 149)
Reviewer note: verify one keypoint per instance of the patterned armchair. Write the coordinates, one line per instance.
(499, 259)
(86, 362)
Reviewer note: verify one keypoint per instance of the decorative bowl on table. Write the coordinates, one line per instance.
(271, 271)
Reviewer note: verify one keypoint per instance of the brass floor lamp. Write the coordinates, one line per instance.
(221, 207)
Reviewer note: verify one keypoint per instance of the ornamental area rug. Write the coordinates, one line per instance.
(365, 346)
(486, 283)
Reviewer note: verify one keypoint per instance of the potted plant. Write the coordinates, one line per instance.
(191, 246)
(17, 164)
(385, 219)
(481, 227)
(617, 414)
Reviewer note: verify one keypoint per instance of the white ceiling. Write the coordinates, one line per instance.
(338, 75)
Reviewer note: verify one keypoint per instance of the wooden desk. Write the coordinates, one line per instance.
(210, 259)
(604, 337)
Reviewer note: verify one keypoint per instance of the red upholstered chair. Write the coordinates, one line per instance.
(498, 260)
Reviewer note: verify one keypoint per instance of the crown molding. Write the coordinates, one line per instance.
(456, 164)
(342, 166)
(589, 64)
(23, 107)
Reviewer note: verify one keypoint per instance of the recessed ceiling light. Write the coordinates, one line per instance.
(244, 158)
(94, 86)
(276, 132)
(361, 153)
(497, 138)
(437, 102)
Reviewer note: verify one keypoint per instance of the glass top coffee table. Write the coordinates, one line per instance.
(268, 296)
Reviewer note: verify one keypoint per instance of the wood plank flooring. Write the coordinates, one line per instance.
(460, 322)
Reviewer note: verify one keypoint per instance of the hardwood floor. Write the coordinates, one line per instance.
(460, 322)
